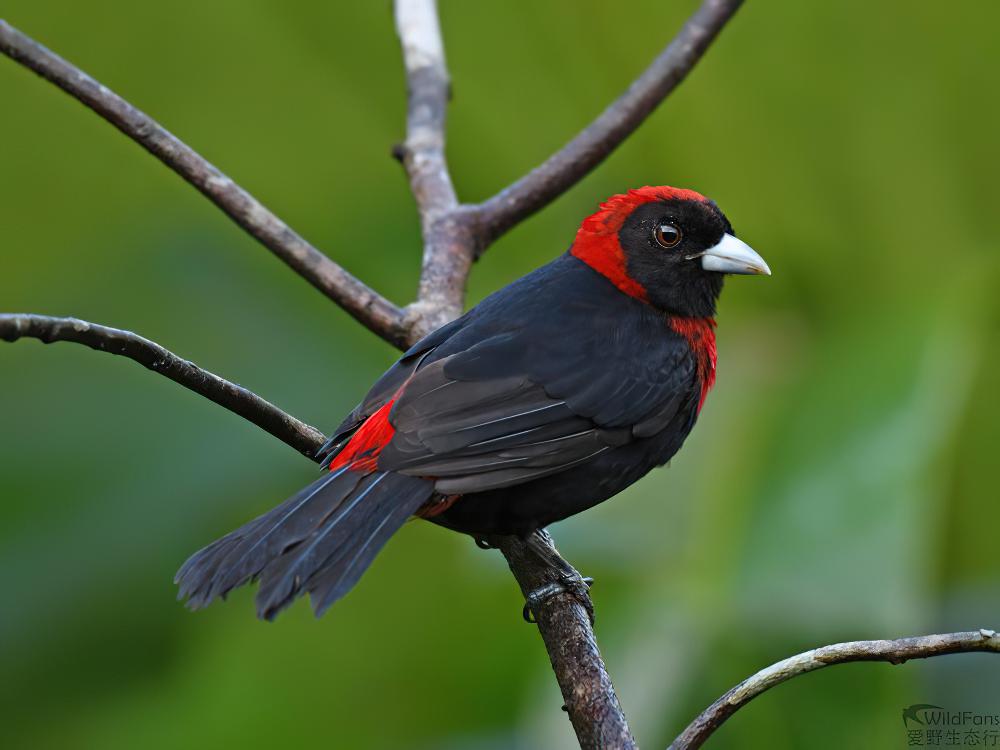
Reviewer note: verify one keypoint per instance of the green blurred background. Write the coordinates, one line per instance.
(841, 483)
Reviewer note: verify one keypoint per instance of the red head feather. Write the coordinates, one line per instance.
(597, 243)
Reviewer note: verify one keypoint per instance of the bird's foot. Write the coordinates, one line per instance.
(569, 580)
(574, 584)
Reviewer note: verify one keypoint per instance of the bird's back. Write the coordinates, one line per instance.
(549, 396)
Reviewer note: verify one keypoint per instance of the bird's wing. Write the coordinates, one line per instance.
(517, 406)
(385, 388)
(545, 373)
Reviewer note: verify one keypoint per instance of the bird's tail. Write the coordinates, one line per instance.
(319, 541)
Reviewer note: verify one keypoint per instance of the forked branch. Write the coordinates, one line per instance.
(454, 234)
(363, 303)
(445, 227)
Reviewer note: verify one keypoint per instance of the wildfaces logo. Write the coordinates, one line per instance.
(936, 726)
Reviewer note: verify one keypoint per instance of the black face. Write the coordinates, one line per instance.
(663, 241)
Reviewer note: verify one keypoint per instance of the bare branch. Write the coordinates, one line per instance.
(305, 439)
(364, 304)
(445, 226)
(427, 100)
(895, 652)
(588, 149)
(565, 626)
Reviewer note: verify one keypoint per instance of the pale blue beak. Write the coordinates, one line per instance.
(731, 255)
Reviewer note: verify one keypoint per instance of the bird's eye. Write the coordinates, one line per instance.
(667, 235)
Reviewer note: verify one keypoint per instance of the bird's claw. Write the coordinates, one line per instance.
(577, 586)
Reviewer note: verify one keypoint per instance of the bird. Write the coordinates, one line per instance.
(548, 397)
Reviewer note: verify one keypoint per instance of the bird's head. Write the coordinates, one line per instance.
(665, 246)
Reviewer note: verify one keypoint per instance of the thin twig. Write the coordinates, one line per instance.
(577, 158)
(894, 651)
(305, 439)
(363, 303)
(445, 227)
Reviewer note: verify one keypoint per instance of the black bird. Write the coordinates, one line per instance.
(550, 396)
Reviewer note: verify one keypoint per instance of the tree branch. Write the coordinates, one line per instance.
(894, 652)
(363, 303)
(566, 629)
(445, 227)
(577, 158)
(428, 87)
(305, 439)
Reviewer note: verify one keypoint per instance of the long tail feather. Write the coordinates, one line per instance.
(318, 541)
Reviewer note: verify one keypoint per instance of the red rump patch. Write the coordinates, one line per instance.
(700, 335)
(596, 242)
(437, 508)
(362, 451)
